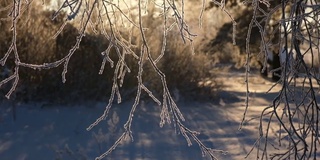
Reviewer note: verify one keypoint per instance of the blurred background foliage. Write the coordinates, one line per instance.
(37, 44)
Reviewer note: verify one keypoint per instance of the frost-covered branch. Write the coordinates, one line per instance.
(116, 20)
(288, 28)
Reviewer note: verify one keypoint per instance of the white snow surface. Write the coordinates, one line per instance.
(58, 132)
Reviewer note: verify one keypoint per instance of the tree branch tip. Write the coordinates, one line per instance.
(8, 96)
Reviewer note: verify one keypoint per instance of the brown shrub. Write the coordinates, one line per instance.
(35, 45)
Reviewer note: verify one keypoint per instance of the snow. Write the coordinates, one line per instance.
(50, 133)
(54, 132)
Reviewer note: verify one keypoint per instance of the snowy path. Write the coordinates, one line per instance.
(58, 133)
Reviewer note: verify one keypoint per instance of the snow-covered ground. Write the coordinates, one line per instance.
(59, 132)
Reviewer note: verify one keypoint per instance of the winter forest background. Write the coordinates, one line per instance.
(159, 79)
